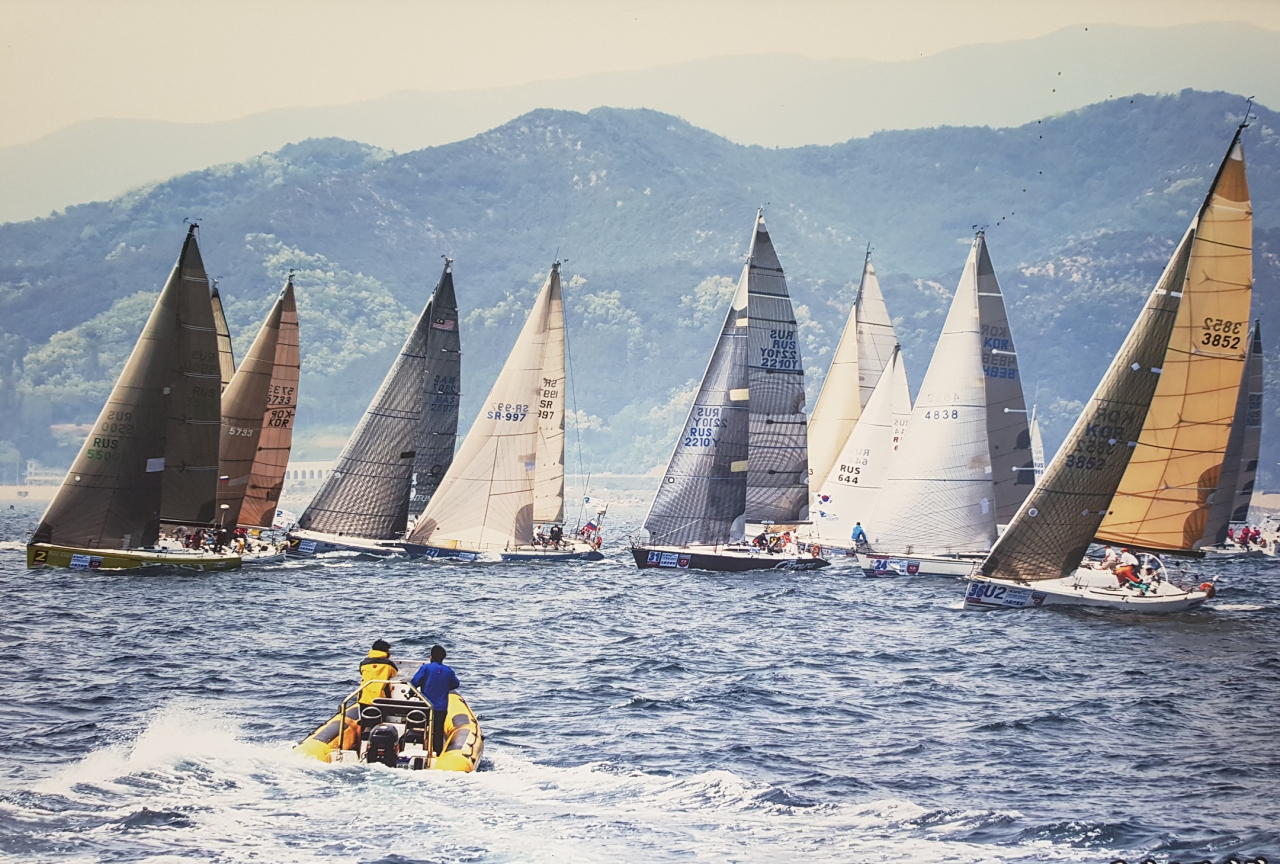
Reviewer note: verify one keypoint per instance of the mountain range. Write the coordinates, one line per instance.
(652, 216)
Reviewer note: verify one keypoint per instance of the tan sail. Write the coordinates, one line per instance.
(1163, 500)
(485, 501)
(243, 402)
(266, 478)
(839, 402)
(548, 481)
(226, 357)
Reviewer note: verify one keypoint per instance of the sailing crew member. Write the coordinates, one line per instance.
(557, 534)
(1109, 559)
(859, 536)
(434, 680)
(376, 667)
(1127, 571)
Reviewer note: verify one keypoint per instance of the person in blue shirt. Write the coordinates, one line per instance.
(434, 680)
(859, 536)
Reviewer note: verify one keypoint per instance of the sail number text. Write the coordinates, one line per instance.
(942, 414)
(507, 411)
(1219, 333)
(280, 395)
(703, 424)
(240, 432)
(782, 353)
(280, 417)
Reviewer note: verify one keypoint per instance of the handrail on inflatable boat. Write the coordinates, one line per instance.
(355, 694)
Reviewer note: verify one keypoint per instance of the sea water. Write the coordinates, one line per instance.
(657, 715)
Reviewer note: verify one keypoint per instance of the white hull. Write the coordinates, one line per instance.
(305, 544)
(1230, 550)
(1085, 587)
(883, 564)
(255, 559)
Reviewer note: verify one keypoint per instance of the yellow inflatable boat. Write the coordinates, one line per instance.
(396, 731)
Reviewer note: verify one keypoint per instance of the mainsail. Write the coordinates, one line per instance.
(367, 494)
(194, 403)
(266, 478)
(1009, 439)
(1051, 531)
(111, 497)
(1162, 502)
(777, 451)
(1230, 501)
(243, 404)
(226, 357)
(485, 502)
(1037, 448)
(850, 492)
(548, 480)
(438, 429)
(939, 495)
(703, 496)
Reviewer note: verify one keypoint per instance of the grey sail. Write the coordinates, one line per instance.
(226, 356)
(193, 405)
(1051, 532)
(778, 457)
(110, 498)
(438, 428)
(703, 496)
(1008, 435)
(1230, 500)
(367, 493)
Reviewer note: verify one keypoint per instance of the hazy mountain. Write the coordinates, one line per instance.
(775, 100)
(654, 217)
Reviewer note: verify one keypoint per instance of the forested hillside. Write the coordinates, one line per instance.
(653, 217)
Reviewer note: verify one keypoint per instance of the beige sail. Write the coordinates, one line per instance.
(548, 481)
(876, 339)
(226, 357)
(1163, 500)
(485, 501)
(266, 479)
(839, 402)
(1037, 448)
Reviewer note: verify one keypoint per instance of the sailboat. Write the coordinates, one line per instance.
(364, 503)
(1229, 503)
(257, 423)
(847, 468)
(508, 475)
(742, 454)
(965, 461)
(1141, 461)
(152, 455)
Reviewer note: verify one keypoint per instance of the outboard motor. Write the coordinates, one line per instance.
(384, 745)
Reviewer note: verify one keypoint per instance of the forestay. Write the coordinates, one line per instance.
(485, 502)
(777, 453)
(1051, 531)
(939, 495)
(702, 499)
(438, 428)
(1162, 502)
(548, 485)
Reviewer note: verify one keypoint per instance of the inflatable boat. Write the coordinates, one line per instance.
(396, 731)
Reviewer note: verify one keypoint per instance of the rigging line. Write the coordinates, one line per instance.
(577, 427)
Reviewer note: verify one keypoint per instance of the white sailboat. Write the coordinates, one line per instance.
(509, 473)
(959, 471)
(1152, 437)
(742, 455)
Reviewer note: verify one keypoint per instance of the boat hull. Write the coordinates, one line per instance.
(721, 559)
(1086, 587)
(40, 555)
(309, 545)
(338, 739)
(581, 552)
(880, 564)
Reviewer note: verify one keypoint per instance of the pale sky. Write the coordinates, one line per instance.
(183, 60)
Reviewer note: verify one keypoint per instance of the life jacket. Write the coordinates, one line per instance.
(378, 666)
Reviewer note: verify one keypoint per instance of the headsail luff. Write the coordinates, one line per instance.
(266, 478)
(1162, 502)
(438, 429)
(1230, 501)
(1051, 531)
(189, 488)
(243, 403)
(1037, 448)
(876, 339)
(939, 495)
(839, 402)
(485, 502)
(110, 498)
(852, 488)
(777, 451)
(367, 493)
(226, 357)
(702, 499)
(1009, 439)
(548, 481)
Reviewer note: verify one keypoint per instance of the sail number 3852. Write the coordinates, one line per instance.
(1220, 333)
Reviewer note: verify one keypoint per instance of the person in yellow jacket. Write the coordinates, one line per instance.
(374, 669)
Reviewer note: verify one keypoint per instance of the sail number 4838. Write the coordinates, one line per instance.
(507, 411)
